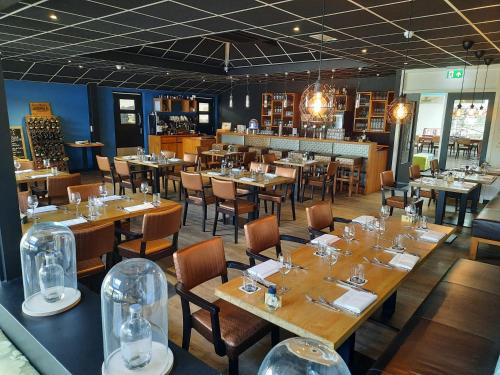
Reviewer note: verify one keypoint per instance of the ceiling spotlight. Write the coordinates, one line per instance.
(53, 17)
(119, 67)
(21, 59)
(405, 63)
(168, 73)
(69, 61)
(364, 50)
(378, 74)
(296, 29)
(408, 34)
(80, 66)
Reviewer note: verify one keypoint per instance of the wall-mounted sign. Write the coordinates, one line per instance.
(17, 142)
(455, 73)
(40, 109)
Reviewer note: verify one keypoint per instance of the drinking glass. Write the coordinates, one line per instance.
(349, 234)
(103, 192)
(156, 199)
(411, 212)
(385, 211)
(33, 204)
(331, 259)
(46, 163)
(358, 274)
(249, 283)
(76, 199)
(230, 167)
(321, 248)
(422, 223)
(398, 242)
(93, 207)
(286, 267)
(54, 171)
(379, 228)
(144, 190)
(17, 165)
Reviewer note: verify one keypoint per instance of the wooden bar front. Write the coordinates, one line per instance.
(178, 143)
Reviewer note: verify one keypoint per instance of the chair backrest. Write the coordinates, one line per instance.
(103, 163)
(168, 154)
(332, 168)
(85, 190)
(286, 172)
(219, 146)
(387, 178)
(22, 197)
(122, 168)
(436, 138)
(157, 225)
(414, 171)
(190, 158)
(26, 164)
(200, 262)
(192, 181)
(434, 165)
(201, 149)
(262, 234)
(323, 158)
(224, 189)
(249, 157)
(95, 241)
(57, 186)
(319, 216)
(254, 166)
(269, 158)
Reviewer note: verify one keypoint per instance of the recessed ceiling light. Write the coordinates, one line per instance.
(378, 74)
(204, 80)
(80, 66)
(364, 50)
(326, 38)
(405, 63)
(119, 67)
(53, 17)
(168, 73)
(296, 29)
(69, 61)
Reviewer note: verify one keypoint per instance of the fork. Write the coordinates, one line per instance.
(321, 303)
(380, 264)
(342, 309)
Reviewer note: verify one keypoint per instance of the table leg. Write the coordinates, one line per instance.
(299, 183)
(156, 180)
(85, 158)
(475, 195)
(440, 208)
(463, 210)
(389, 305)
(346, 350)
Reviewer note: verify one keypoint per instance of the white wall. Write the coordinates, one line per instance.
(434, 80)
(431, 111)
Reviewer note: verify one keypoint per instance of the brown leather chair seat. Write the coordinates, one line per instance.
(396, 201)
(244, 206)
(133, 247)
(275, 195)
(237, 325)
(89, 267)
(209, 199)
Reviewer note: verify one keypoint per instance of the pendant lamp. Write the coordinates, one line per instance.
(473, 111)
(247, 97)
(487, 62)
(458, 111)
(265, 92)
(231, 94)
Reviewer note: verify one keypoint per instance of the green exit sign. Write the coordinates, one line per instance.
(455, 73)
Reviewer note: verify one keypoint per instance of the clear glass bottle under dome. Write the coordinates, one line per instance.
(48, 259)
(301, 356)
(134, 305)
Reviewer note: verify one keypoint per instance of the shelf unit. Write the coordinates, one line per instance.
(276, 112)
(371, 113)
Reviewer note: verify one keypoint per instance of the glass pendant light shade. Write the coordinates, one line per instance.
(231, 100)
(134, 307)
(247, 101)
(317, 103)
(400, 110)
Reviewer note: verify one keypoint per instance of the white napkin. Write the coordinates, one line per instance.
(174, 159)
(432, 236)
(139, 207)
(111, 198)
(42, 175)
(355, 301)
(247, 179)
(270, 175)
(363, 220)
(328, 238)
(24, 171)
(39, 210)
(405, 261)
(129, 157)
(211, 173)
(265, 269)
(71, 222)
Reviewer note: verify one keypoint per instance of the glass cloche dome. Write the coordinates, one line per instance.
(48, 260)
(303, 356)
(134, 306)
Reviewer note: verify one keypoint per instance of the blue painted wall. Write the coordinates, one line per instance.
(69, 102)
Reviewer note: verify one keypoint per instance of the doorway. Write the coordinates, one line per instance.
(129, 130)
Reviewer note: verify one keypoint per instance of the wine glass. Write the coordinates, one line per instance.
(103, 193)
(411, 212)
(331, 258)
(349, 234)
(17, 165)
(286, 267)
(75, 198)
(144, 190)
(46, 163)
(379, 228)
(385, 211)
(33, 204)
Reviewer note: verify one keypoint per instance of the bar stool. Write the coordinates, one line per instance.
(350, 172)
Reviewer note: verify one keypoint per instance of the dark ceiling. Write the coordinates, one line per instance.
(179, 45)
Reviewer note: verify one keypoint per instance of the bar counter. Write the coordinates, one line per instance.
(178, 143)
(374, 156)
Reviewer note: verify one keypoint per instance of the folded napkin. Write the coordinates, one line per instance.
(129, 157)
(363, 220)
(328, 238)
(432, 236)
(24, 171)
(247, 179)
(42, 175)
(139, 207)
(174, 159)
(71, 222)
(265, 269)
(111, 198)
(355, 301)
(270, 175)
(39, 210)
(211, 173)
(404, 260)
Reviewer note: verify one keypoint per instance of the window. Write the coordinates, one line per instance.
(127, 105)
(204, 118)
(127, 118)
(204, 107)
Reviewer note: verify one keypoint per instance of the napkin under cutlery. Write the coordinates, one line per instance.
(355, 301)
(139, 207)
(70, 222)
(432, 236)
(405, 261)
(328, 238)
(265, 269)
(42, 209)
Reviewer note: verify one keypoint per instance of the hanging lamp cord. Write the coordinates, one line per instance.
(484, 85)
(475, 82)
(463, 77)
(322, 35)
(401, 90)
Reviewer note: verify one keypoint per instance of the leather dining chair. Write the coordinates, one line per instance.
(154, 244)
(228, 203)
(434, 166)
(279, 194)
(230, 329)
(92, 243)
(319, 217)
(324, 181)
(254, 167)
(85, 190)
(263, 234)
(175, 174)
(389, 185)
(22, 197)
(108, 174)
(415, 174)
(57, 187)
(269, 158)
(196, 193)
(205, 161)
(129, 179)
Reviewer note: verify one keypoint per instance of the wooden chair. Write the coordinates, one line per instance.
(247, 158)
(464, 145)
(414, 171)
(26, 164)
(269, 158)
(153, 244)
(22, 197)
(279, 194)
(92, 243)
(129, 179)
(174, 174)
(388, 184)
(436, 139)
(195, 193)
(263, 234)
(254, 167)
(204, 161)
(228, 203)
(108, 174)
(325, 181)
(230, 329)
(85, 190)
(319, 217)
(57, 187)
(434, 167)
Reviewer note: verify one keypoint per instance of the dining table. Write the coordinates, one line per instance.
(303, 311)
(36, 175)
(300, 165)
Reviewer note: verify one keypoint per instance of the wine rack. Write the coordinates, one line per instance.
(370, 113)
(274, 112)
(46, 141)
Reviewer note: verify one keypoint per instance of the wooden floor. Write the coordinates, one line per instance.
(373, 337)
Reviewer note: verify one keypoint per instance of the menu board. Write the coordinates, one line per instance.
(17, 142)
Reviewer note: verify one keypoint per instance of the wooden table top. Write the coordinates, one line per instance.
(311, 320)
(221, 153)
(85, 145)
(278, 180)
(110, 213)
(169, 163)
(296, 163)
(36, 175)
(441, 185)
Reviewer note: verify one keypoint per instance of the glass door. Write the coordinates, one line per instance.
(128, 120)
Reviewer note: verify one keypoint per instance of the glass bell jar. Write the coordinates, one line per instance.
(134, 306)
(303, 356)
(48, 260)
